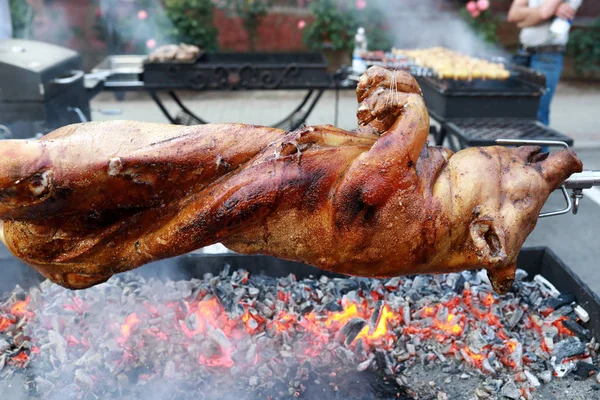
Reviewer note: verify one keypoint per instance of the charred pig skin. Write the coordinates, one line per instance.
(91, 200)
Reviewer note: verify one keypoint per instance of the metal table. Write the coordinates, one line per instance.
(127, 73)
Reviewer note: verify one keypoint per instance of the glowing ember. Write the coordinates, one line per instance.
(382, 326)
(20, 358)
(255, 329)
(511, 345)
(477, 358)
(20, 307)
(131, 322)
(489, 300)
(451, 325)
(4, 323)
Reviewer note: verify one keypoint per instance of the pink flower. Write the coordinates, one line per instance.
(475, 13)
(301, 24)
(471, 7)
(483, 5)
(361, 4)
(150, 43)
(142, 14)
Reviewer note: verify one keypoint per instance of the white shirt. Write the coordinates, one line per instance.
(5, 20)
(540, 35)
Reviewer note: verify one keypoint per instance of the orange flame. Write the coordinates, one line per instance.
(131, 322)
(208, 312)
(489, 300)
(20, 307)
(477, 358)
(382, 326)
(283, 322)
(429, 311)
(452, 324)
(342, 317)
(4, 323)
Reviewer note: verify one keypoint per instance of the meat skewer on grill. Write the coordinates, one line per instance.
(91, 200)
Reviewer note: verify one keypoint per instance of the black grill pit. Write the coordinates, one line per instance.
(41, 88)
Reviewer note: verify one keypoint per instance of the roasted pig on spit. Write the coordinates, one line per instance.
(91, 200)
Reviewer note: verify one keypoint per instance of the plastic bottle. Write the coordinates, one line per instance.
(560, 27)
(359, 65)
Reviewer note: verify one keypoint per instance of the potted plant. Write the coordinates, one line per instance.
(584, 52)
(193, 22)
(332, 31)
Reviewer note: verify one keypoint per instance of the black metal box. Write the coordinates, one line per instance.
(226, 71)
(516, 97)
(36, 71)
(41, 88)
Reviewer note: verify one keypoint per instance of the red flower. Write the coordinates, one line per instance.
(483, 5)
(471, 7)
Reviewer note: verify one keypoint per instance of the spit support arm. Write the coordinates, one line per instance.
(576, 182)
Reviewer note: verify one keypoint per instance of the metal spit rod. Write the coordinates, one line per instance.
(576, 182)
(583, 180)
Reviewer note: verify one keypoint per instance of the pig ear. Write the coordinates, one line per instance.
(489, 241)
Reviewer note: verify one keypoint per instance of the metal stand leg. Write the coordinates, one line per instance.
(452, 143)
(162, 107)
(296, 110)
(293, 121)
(312, 106)
(440, 135)
(185, 109)
(337, 105)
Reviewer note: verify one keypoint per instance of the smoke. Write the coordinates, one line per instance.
(145, 25)
(429, 23)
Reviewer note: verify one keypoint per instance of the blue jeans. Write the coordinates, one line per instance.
(551, 65)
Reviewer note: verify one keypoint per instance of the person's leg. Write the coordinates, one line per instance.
(550, 64)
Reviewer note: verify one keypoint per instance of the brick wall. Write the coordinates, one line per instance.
(278, 31)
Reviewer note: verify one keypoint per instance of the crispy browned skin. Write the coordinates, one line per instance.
(91, 200)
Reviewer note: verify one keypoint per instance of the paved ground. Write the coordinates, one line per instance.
(575, 109)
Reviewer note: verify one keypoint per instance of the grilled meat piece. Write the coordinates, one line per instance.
(172, 52)
(91, 200)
